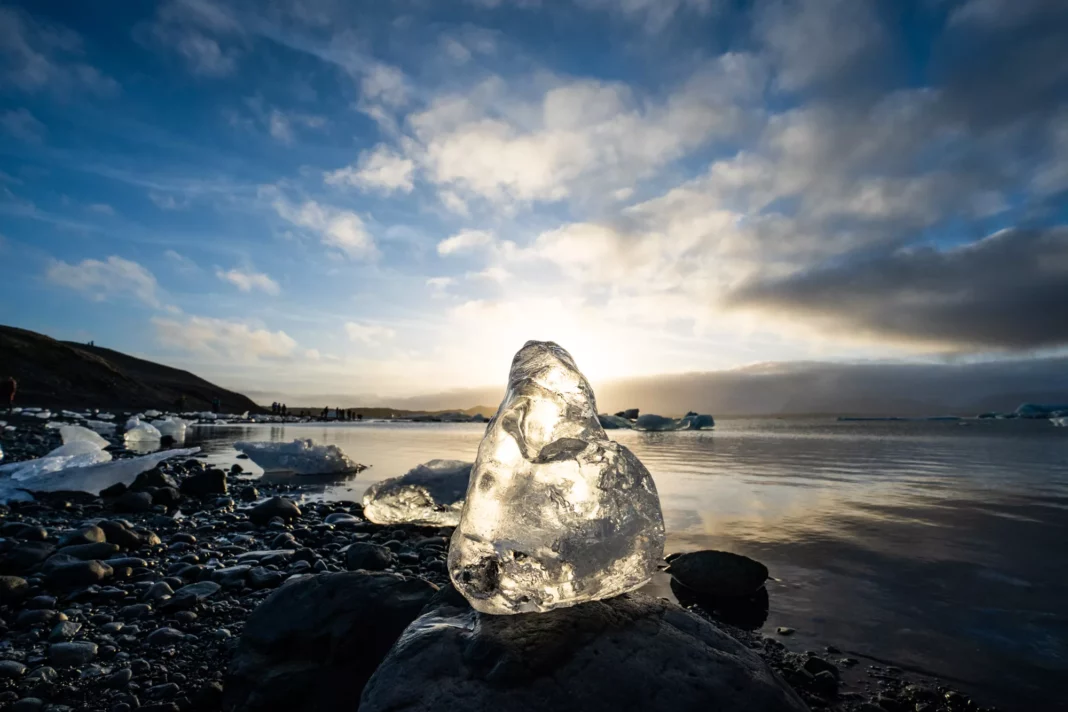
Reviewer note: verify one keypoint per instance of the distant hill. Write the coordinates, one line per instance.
(62, 374)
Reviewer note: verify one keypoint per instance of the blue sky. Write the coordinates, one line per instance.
(375, 199)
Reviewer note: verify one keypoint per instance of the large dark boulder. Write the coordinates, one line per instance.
(204, 484)
(718, 573)
(133, 502)
(25, 556)
(364, 555)
(316, 640)
(64, 572)
(629, 653)
(13, 589)
(267, 510)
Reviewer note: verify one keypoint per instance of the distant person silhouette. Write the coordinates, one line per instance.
(7, 392)
(215, 405)
(284, 410)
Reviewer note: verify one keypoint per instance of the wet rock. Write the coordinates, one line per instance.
(261, 577)
(153, 478)
(204, 484)
(22, 530)
(598, 656)
(72, 654)
(27, 704)
(189, 596)
(370, 557)
(30, 618)
(718, 573)
(164, 636)
(25, 556)
(122, 536)
(134, 502)
(249, 494)
(66, 630)
(314, 642)
(91, 534)
(74, 573)
(13, 589)
(99, 550)
(11, 670)
(267, 510)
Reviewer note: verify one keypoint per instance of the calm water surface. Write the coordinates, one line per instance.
(927, 545)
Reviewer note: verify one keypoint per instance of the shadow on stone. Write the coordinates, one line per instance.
(747, 612)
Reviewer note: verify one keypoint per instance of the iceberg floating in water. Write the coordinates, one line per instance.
(171, 427)
(556, 513)
(614, 422)
(1060, 421)
(139, 431)
(655, 423)
(91, 478)
(44, 414)
(300, 456)
(72, 433)
(101, 426)
(431, 494)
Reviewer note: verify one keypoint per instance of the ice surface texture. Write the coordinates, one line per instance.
(138, 430)
(431, 495)
(75, 478)
(300, 456)
(556, 513)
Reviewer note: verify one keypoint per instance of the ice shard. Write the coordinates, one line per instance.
(431, 495)
(301, 457)
(556, 513)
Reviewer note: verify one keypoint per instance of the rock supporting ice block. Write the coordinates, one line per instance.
(556, 513)
(431, 494)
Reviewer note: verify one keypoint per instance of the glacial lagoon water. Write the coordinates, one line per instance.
(926, 545)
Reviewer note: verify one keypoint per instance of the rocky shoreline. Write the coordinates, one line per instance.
(146, 598)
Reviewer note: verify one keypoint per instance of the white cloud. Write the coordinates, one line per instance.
(23, 125)
(166, 202)
(380, 169)
(204, 34)
(654, 15)
(492, 274)
(438, 285)
(223, 338)
(335, 227)
(385, 84)
(181, 262)
(104, 280)
(312, 354)
(101, 209)
(41, 56)
(369, 334)
(580, 137)
(247, 280)
(465, 241)
(280, 124)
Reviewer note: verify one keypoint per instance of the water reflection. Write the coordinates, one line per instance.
(932, 545)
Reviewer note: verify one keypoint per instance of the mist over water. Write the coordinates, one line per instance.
(927, 545)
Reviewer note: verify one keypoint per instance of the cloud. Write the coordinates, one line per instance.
(461, 45)
(222, 338)
(819, 42)
(207, 36)
(384, 84)
(381, 169)
(439, 285)
(654, 15)
(491, 274)
(341, 229)
(368, 334)
(106, 280)
(465, 241)
(576, 137)
(38, 56)
(165, 201)
(181, 262)
(23, 125)
(1002, 292)
(247, 280)
(280, 124)
(101, 209)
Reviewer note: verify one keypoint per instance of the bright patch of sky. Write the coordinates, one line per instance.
(384, 199)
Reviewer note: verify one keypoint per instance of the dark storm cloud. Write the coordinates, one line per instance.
(1007, 291)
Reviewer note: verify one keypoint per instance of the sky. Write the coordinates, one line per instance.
(384, 199)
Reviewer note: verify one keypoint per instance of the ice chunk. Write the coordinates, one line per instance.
(614, 422)
(138, 431)
(105, 416)
(78, 453)
(430, 495)
(697, 422)
(556, 513)
(173, 427)
(152, 414)
(44, 414)
(1060, 422)
(655, 423)
(300, 456)
(71, 433)
(92, 478)
(101, 426)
